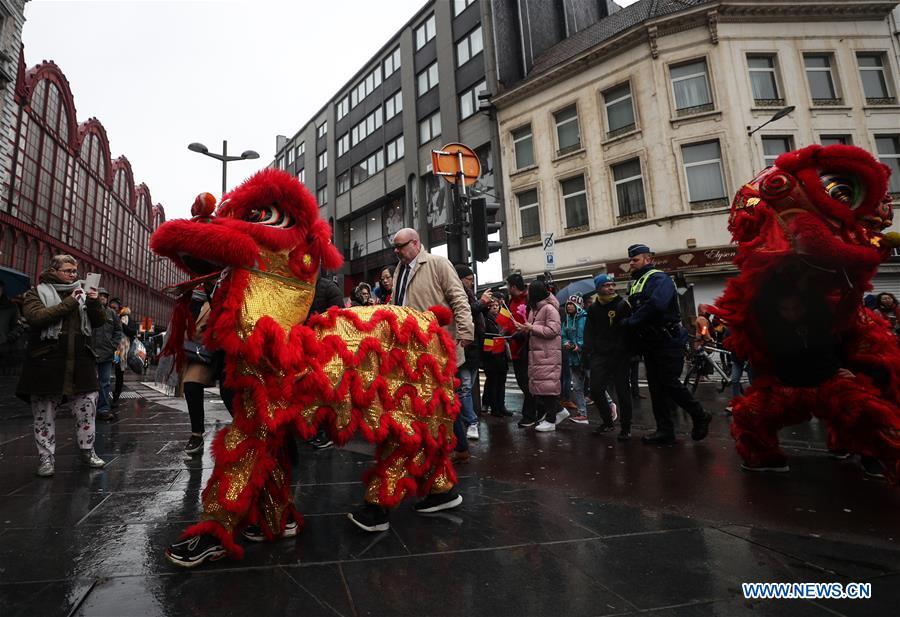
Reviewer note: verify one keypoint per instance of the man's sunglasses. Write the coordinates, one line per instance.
(397, 247)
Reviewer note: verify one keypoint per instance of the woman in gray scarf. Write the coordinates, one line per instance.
(60, 361)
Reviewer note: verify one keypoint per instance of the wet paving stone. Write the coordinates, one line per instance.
(216, 593)
(558, 524)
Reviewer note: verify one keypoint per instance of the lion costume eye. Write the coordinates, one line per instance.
(271, 216)
(844, 189)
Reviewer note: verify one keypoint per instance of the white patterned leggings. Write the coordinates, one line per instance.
(44, 408)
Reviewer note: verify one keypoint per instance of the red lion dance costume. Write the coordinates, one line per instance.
(385, 371)
(812, 224)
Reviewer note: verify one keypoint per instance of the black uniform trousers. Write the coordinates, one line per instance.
(606, 372)
(664, 366)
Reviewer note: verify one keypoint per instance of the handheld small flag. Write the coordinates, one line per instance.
(494, 345)
(505, 319)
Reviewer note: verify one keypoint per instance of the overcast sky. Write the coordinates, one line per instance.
(159, 75)
(162, 74)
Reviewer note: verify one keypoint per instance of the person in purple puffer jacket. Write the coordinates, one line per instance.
(544, 353)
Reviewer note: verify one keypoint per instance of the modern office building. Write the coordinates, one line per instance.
(635, 129)
(68, 195)
(367, 153)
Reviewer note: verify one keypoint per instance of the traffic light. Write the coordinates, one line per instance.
(484, 223)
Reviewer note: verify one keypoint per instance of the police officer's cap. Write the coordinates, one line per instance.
(638, 249)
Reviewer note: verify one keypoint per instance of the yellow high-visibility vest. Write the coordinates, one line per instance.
(636, 287)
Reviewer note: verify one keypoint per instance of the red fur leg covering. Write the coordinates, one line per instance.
(758, 416)
(862, 421)
(250, 484)
(402, 465)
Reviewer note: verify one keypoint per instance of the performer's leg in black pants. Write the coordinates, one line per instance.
(520, 367)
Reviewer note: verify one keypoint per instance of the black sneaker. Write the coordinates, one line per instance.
(106, 416)
(658, 439)
(701, 427)
(195, 550)
(624, 436)
(322, 444)
(872, 467)
(254, 533)
(605, 428)
(194, 445)
(776, 464)
(435, 502)
(370, 518)
(523, 423)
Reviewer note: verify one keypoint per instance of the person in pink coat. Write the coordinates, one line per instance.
(544, 353)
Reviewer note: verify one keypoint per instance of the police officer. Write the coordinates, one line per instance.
(656, 331)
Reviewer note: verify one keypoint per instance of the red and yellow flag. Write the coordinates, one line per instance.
(505, 319)
(494, 345)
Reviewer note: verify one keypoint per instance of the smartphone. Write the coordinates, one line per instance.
(92, 281)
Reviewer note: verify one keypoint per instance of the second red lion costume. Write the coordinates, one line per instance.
(810, 227)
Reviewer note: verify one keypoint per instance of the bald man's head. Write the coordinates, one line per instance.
(406, 244)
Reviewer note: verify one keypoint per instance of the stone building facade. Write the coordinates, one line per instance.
(636, 128)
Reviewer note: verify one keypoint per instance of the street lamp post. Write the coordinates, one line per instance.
(781, 113)
(246, 154)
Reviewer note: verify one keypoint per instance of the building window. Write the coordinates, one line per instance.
(773, 147)
(619, 110)
(524, 147)
(427, 79)
(468, 100)
(301, 150)
(322, 195)
(469, 47)
(365, 87)
(703, 168)
(343, 107)
(888, 148)
(764, 80)
(343, 144)
(629, 188)
(425, 32)
(366, 127)
(820, 78)
(394, 150)
(392, 63)
(690, 85)
(301, 176)
(343, 183)
(575, 200)
(529, 219)
(322, 162)
(279, 163)
(290, 155)
(568, 136)
(835, 140)
(429, 128)
(874, 79)
(393, 106)
(368, 167)
(322, 130)
(460, 5)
